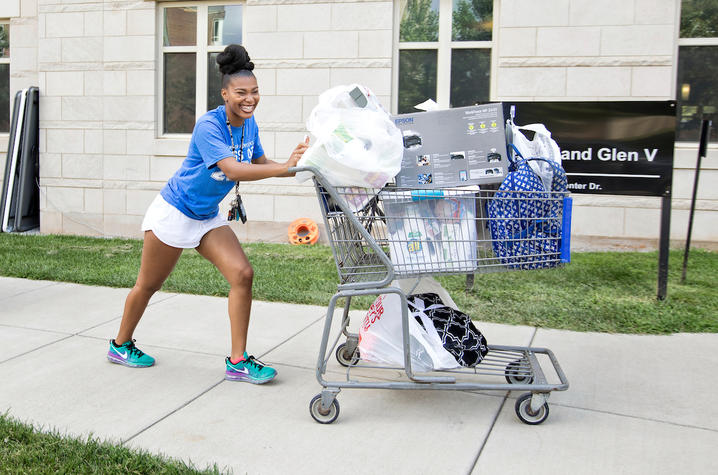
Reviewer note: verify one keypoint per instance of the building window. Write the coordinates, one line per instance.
(192, 37)
(4, 77)
(444, 52)
(697, 83)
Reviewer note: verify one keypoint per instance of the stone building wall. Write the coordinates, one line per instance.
(103, 160)
(613, 50)
(96, 63)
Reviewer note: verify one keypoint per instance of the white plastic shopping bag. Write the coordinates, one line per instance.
(380, 338)
(357, 144)
(540, 146)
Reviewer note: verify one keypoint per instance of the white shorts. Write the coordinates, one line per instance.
(174, 228)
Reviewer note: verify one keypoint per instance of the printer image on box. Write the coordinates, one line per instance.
(454, 147)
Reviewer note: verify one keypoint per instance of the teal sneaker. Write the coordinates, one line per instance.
(128, 354)
(250, 370)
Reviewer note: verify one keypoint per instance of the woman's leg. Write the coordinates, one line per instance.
(158, 260)
(221, 247)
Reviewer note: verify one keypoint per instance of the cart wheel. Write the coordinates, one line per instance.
(524, 412)
(515, 375)
(323, 417)
(344, 357)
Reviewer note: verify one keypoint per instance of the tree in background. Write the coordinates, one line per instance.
(417, 78)
(698, 19)
(697, 93)
(419, 22)
(4, 78)
(4, 41)
(472, 20)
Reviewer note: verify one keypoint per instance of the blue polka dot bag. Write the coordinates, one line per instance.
(527, 220)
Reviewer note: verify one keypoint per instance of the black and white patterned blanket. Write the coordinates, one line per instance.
(459, 335)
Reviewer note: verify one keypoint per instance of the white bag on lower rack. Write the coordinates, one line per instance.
(380, 338)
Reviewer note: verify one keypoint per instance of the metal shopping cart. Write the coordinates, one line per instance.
(378, 236)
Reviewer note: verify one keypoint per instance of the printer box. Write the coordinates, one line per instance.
(453, 147)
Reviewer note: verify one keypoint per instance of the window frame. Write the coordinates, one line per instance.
(6, 21)
(201, 50)
(680, 43)
(443, 46)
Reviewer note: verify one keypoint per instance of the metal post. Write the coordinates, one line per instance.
(469, 283)
(664, 244)
(702, 151)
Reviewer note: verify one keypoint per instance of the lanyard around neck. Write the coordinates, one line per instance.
(241, 141)
(241, 151)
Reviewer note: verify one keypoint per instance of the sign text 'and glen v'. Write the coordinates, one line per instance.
(608, 154)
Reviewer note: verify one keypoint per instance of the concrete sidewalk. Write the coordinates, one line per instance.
(637, 404)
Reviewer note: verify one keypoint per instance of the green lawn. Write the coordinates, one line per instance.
(23, 449)
(598, 291)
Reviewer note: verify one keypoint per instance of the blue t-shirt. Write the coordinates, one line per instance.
(199, 185)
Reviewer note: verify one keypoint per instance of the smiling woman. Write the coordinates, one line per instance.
(225, 148)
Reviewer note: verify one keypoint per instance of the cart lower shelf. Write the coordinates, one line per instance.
(504, 368)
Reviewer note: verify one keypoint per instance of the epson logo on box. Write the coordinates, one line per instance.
(404, 121)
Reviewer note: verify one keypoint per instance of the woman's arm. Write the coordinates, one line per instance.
(261, 167)
(264, 160)
(237, 171)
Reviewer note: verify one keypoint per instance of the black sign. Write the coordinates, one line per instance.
(620, 148)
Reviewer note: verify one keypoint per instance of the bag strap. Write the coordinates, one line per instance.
(512, 149)
(418, 305)
(425, 322)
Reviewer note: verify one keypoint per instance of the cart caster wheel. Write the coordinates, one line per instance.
(514, 374)
(344, 356)
(527, 416)
(323, 417)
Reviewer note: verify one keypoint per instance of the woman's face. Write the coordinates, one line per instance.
(241, 97)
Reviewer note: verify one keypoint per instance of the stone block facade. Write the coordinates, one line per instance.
(95, 70)
(103, 157)
(612, 50)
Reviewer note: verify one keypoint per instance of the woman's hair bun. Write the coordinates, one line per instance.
(234, 58)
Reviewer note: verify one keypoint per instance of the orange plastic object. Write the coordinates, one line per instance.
(303, 231)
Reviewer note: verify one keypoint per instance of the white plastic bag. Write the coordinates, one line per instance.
(380, 338)
(541, 146)
(357, 144)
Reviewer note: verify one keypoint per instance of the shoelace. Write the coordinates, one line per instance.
(254, 361)
(134, 350)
